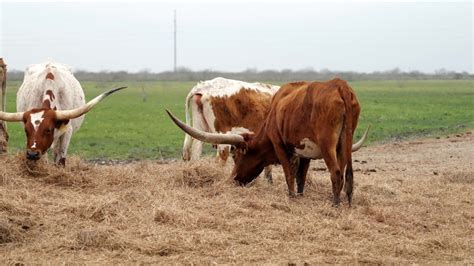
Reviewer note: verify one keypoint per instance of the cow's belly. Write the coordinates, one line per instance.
(308, 149)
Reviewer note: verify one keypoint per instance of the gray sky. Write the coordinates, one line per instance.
(359, 36)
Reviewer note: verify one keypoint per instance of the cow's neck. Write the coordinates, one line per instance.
(263, 146)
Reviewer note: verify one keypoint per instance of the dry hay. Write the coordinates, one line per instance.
(412, 204)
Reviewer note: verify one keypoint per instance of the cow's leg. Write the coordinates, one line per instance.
(336, 175)
(188, 141)
(198, 123)
(349, 184)
(196, 150)
(60, 147)
(287, 166)
(192, 148)
(342, 162)
(301, 174)
(223, 152)
(328, 151)
(268, 174)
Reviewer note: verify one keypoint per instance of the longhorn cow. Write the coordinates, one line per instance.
(51, 105)
(307, 120)
(225, 106)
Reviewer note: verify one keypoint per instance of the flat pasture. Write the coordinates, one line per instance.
(412, 198)
(132, 124)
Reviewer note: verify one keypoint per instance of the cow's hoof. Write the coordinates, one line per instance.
(336, 203)
(61, 162)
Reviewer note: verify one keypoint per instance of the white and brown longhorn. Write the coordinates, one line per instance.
(51, 105)
(225, 106)
(306, 121)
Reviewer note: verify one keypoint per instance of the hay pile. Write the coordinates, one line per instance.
(193, 213)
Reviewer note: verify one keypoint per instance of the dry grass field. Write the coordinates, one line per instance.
(412, 204)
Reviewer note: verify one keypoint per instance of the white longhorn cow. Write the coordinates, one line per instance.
(51, 104)
(225, 106)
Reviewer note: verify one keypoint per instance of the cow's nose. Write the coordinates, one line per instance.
(32, 155)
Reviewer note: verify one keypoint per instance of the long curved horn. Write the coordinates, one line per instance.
(214, 138)
(11, 117)
(70, 114)
(359, 143)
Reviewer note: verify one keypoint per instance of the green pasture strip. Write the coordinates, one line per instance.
(132, 123)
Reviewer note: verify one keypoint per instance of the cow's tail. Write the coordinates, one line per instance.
(188, 140)
(347, 147)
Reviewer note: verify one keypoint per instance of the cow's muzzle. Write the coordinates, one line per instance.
(33, 155)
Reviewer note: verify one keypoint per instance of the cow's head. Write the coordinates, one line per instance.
(40, 124)
(249, 162)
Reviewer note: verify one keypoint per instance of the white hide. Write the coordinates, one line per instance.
(310, 150)
(234, 130)
(217, 87)
(68, 94)
(65, 87)
(220, 87)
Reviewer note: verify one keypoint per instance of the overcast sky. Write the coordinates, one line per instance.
(358, 36)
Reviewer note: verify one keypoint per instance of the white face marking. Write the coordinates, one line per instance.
(36, 119)
(310, 150)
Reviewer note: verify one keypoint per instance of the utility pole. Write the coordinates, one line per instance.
(175, 40)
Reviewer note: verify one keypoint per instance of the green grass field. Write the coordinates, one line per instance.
(128, 126)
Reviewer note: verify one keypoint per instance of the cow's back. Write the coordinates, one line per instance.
(68, 89)
(236, 105)
(245, 110)
(303, 110)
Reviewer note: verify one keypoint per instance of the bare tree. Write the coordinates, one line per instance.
(3, 125)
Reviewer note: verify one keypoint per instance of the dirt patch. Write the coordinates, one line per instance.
(412, 204)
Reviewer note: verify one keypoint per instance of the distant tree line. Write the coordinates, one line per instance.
(185, 74)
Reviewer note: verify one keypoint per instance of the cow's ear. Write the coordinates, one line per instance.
(242, 147)
(61, 124)
(247, 136)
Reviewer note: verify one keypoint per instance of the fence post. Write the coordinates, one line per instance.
(3, 125)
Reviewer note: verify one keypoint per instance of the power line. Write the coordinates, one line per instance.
(175, 40)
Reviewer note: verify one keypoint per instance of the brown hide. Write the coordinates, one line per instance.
(247, 108)
(309, 110)
(325, 113)
(43, 136)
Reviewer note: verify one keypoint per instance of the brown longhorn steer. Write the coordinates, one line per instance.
(306, 121)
